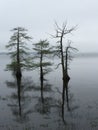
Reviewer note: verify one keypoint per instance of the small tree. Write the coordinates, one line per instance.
(68, 54)
(19, 54)
(42, 51)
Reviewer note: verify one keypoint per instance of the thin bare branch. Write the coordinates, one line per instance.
(58, 65)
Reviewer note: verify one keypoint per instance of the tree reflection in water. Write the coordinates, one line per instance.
(27, 98)
(65, 88)
(66, 107)
(20, 98)
(43, 104)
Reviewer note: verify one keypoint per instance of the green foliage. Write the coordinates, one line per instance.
(18, 50)
(42, 48)
(42, 51)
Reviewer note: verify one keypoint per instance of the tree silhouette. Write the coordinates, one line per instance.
(69, 50)
(42, 51)
(18, 54)
(61, 32)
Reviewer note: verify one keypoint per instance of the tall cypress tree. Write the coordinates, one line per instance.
(18, 54)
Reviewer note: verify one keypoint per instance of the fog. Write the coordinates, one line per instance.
(39, 17)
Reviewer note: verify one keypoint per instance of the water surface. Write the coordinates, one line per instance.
(44, 112)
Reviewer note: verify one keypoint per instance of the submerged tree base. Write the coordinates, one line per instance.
(66, 78)
(18, 75)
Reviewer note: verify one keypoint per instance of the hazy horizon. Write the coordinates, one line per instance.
(39, 17)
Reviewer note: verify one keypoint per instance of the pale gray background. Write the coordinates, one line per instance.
(38, 17)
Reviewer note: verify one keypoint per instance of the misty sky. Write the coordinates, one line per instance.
(38, 16)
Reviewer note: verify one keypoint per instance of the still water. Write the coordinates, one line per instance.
(36, 111)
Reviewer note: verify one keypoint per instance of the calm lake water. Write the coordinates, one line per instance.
(44, 112)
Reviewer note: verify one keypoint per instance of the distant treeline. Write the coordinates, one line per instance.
(89, 54)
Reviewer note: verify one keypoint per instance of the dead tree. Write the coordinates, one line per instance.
(68, 57)
(61, 33)
(62, 52)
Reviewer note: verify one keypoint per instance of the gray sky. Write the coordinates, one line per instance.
(38, 17)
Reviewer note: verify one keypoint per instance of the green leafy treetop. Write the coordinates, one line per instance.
(42, 51)
(17, 46)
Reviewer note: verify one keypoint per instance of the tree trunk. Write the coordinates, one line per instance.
(62, 56)
(18, 71)
(66, 76)
(41, 72)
